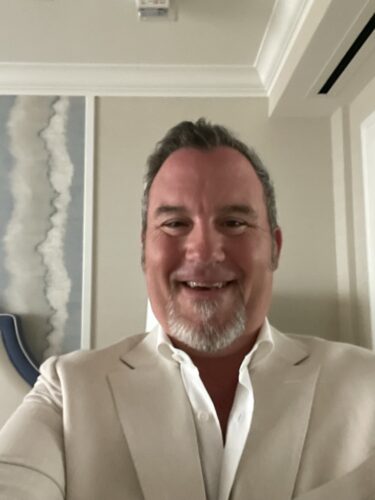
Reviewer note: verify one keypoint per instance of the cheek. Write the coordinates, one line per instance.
(246, 253)
(252, 259)
(161, 255)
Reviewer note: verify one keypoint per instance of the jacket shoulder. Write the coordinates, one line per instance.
(99, 359)
(337, 360)
(59, 374)
(331, 349)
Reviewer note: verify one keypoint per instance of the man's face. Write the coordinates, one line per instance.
(208, 248)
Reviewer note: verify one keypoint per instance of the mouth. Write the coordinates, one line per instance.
(205, 286)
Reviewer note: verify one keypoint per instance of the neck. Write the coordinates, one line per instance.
(219, 374)
(241, 346)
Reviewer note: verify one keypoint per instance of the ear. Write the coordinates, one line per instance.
(277, 242)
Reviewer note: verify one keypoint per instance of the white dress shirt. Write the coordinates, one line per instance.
(219, 462)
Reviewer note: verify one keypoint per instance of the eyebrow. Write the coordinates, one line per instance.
(168, 209)
(241, 209)
(225, 210)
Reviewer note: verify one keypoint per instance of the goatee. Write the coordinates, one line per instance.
(206, 333)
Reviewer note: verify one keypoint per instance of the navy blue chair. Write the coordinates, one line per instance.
(11, 333)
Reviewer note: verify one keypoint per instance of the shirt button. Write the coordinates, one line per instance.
(203, 416)
(240, 417)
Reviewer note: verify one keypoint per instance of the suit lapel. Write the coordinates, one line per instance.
(158, 424)
(283, 387)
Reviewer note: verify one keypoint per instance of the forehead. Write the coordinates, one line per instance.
(222, 173)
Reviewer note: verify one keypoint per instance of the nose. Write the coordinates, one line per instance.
(205, 245)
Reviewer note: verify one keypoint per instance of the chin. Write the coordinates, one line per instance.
(206, 333)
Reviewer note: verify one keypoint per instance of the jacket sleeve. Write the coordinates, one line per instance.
(32, 443)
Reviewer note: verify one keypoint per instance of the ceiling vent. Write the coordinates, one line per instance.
(349, 56)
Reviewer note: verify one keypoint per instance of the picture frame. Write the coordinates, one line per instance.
(25, 176)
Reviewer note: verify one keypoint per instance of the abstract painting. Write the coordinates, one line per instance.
(41, 218)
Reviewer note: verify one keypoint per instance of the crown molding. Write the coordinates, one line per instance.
(130, 80)
(284, 24)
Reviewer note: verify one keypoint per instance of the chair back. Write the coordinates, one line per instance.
(11, 333)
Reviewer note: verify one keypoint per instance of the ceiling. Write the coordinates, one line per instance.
(283, 50)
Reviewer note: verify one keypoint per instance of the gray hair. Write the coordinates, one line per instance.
(205, 136)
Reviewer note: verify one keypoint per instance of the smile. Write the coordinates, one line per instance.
(201, 285)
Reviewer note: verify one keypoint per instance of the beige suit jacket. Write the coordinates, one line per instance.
(116, 424)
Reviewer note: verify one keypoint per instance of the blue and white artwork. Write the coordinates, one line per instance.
(41, 218)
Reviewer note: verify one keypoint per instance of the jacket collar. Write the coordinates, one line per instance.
(158, 423)
(284, 387)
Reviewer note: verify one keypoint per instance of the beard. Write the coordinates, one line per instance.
(206, 333)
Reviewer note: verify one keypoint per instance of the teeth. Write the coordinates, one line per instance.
(198, 284)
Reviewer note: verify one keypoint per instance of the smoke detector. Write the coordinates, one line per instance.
(156, 9)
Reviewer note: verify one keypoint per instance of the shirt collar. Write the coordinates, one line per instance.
(263, 346)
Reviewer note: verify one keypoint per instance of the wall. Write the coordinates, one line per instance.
(352, 214)
(297, 152)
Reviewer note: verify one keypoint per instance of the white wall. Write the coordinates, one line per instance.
(297, 152)
(353, 217)
(368, 160)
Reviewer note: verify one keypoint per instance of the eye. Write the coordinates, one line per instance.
(175, 226)
(235, 223)
(234, 226)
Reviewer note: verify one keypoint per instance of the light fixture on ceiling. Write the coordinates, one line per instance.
(156, 10)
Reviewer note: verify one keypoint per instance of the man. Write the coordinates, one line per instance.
(214, 403)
